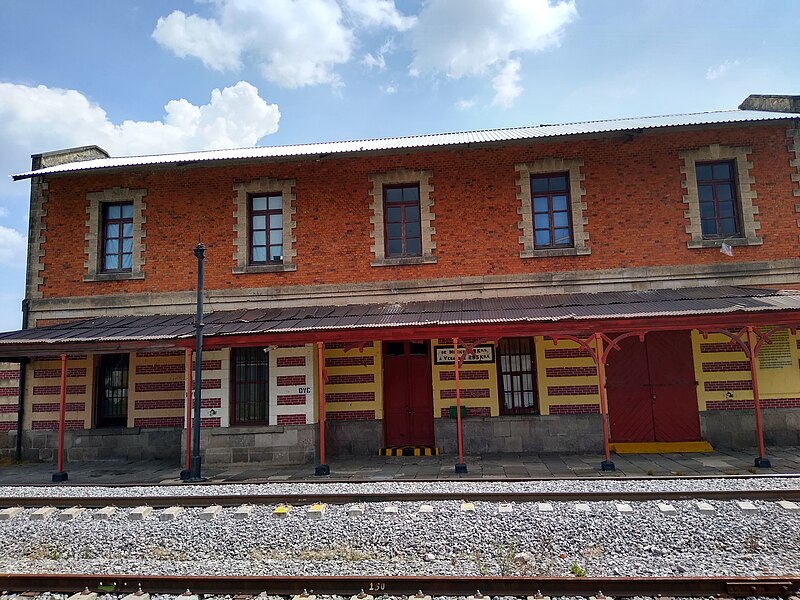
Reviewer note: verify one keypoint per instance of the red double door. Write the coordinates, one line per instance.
(408, 394)
(652, 391)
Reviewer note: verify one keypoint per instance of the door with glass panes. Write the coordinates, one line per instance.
(250, 404)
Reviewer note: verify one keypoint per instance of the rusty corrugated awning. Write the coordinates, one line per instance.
(566, 313)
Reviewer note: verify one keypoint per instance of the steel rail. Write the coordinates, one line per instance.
(352, 498)
(772, 586)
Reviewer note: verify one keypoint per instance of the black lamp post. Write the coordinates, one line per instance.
(194, 465)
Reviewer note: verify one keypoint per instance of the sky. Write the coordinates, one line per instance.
(149, 77)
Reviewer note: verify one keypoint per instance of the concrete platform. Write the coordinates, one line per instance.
(381, 468)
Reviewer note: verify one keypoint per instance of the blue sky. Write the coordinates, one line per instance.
(143, 77)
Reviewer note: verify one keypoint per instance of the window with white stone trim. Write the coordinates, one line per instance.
(95, 269)
(261, 188)
(378, 220)
(572, 169)
(745, 209)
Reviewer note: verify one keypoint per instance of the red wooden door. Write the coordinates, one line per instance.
(673, 386)
(630, 410)
(407, 394)
(652, 393)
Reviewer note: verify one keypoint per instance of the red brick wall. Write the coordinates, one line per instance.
(633, 193)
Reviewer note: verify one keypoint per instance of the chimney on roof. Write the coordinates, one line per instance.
(60, 157)
(772, 103)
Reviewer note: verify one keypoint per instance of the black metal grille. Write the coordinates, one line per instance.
(251, 386)
(112, 405)
(517, 380)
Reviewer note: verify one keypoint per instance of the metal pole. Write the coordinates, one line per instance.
(194, 467)
(187, 471)
(322, 468)
(762, 461)
(60, 475)
(461, 467)
(607, 464)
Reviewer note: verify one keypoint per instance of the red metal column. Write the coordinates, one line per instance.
(461, 467)
(762, 460)
(321, 468)
(189, 355)
(61, 475)
(600, 362)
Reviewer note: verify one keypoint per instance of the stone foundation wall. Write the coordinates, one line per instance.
(737, 428)
(273, 444)
(353, 438)
(533, 433)
(88, 445)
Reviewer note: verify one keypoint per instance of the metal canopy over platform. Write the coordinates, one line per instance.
(493, 317)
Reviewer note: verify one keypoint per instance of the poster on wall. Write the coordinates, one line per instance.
(482, 353)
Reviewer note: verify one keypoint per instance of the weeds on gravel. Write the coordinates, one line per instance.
(576, 569)
(479, 564)
(505, 557)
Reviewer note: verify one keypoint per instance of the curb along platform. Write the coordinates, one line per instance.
(720, 463)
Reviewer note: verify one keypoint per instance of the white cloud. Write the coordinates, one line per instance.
(374, 62)
(465, 104)
(36, 119)
(389, 89)
(195, 36)
(713, 73)
(294, 42)
(506, 84)
(469, 37)
(13, 247)
(379, 13)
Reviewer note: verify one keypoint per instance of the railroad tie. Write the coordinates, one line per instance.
(362, 595)
(504, 508)
(305, 595)
(788, 505)
(210, 512)
(426, 508)
(746, 506)
(9, 513)
(169, 514)
(43, 513)
(705, 508)
(583, 507)
(316, 511)
(137, 595)
(356, 510)
(70, 514)
(666, 509)
(544, 507)
(188, 595)
(84, 595)
(243, 512)
(468, 507)
(104, 513)
(281, 511)
(419, 596)
(390, 509)
(140, 513)
(624, 508)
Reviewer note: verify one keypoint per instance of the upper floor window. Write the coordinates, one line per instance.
(402, 216)
(266, 229)
(716, 191)
(552, 225)
(117, 237)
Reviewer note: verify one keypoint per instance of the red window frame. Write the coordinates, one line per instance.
(268, 230)
(551, 197)
(511, 358)
(713, 204)
(119, 223)
(249, 394)
(402, 229)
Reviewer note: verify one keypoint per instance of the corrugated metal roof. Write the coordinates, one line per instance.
(528, 309)
(422, 141)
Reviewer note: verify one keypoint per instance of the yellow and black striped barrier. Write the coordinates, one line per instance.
(410, 451)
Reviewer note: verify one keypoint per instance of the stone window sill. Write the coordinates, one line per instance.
(404, 260)
(276, 268)
(113, 276)
(717, 243)
(584, 251)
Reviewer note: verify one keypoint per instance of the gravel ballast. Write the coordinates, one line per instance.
(448, 541)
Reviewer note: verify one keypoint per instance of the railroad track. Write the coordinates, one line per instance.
(396, 586)
(229, 500)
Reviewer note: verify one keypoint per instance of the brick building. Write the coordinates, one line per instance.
(352, 271)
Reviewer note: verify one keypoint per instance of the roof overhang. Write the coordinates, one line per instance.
(487, 318)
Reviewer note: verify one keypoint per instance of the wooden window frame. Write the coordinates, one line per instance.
(553, 245)
(234, 421)
(267, 213)
(714, 183)
(121, 221)
(534, 409)
(403, 223)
